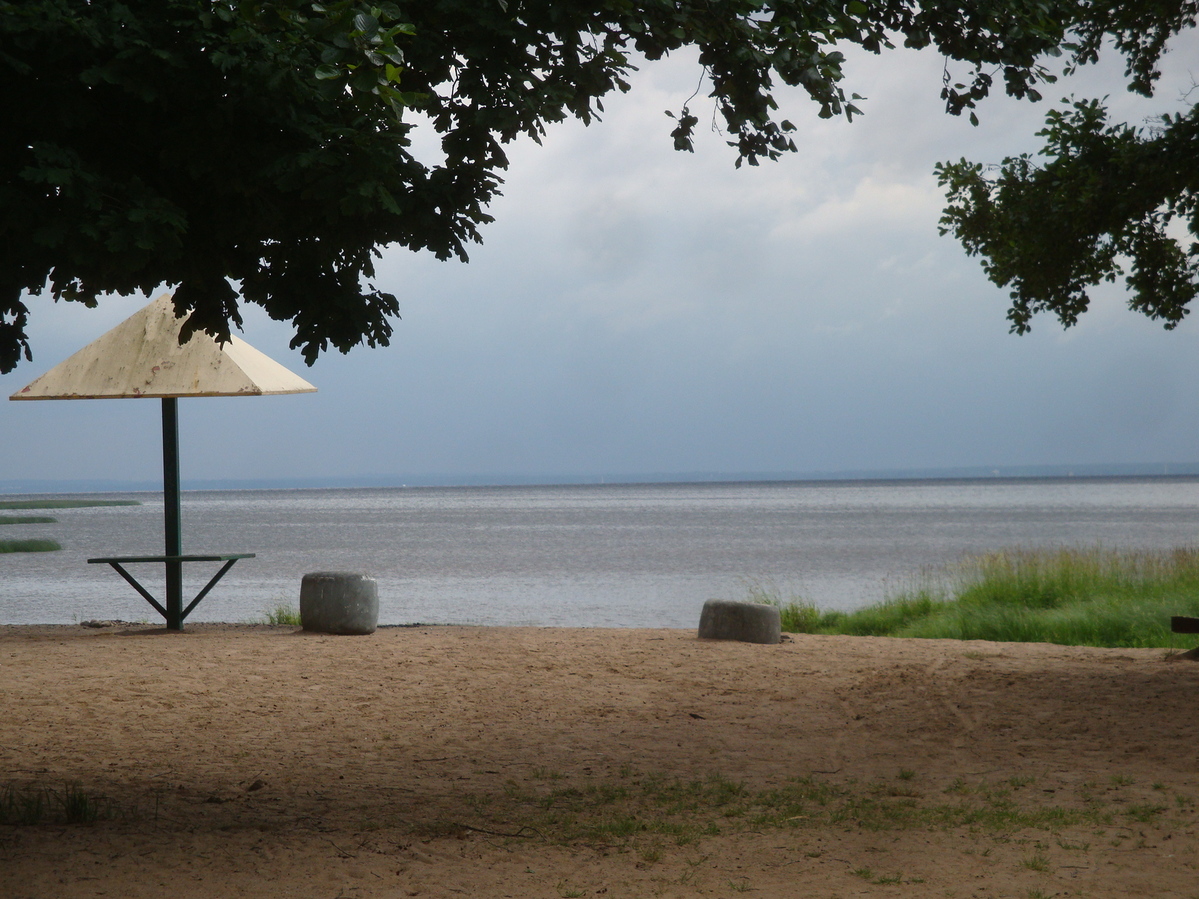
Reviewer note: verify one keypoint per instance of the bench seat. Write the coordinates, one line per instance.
(174, 615)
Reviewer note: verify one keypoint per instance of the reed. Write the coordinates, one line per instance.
(1078, 597)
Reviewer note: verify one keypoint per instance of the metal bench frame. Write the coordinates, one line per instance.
(173, 611)
(173, 559)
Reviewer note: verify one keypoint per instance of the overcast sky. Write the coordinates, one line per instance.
(636, 310)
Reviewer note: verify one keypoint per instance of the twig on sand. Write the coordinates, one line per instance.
(342, 853)
(499, 833)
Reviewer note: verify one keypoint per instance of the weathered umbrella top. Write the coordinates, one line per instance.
(141, 357)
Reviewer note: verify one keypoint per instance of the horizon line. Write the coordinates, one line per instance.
(445, 479)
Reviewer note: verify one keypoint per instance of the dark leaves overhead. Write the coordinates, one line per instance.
(214, 144)
(1101, 202)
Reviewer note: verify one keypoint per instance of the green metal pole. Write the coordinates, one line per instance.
(172, 512)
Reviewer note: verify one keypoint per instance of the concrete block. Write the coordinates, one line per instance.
(339, 602)
(749, 622)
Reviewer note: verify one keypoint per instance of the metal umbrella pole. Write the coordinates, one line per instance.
(172, 513)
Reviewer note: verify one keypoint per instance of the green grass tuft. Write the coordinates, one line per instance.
(29, 546)
(1076, 597)
(283, 614)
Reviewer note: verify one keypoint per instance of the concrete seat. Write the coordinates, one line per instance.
(749, 622)
(339, 602)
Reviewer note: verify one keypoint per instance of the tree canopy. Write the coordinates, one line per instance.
(260, 150)
(1101, 200)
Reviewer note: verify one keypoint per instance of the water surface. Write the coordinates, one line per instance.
(644, 555)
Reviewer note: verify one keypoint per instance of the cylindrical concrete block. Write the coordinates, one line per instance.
(339, 602)
(749, 622)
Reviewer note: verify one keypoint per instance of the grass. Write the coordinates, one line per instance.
(1076, 597)
(634, 809)
(29, 546)
(1037, 862)
(27, 519)
(64, 503)
(31, 806)
(283, 613)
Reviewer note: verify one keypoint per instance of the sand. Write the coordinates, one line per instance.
(452, 761)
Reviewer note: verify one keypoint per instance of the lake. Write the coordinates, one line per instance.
(642, 555)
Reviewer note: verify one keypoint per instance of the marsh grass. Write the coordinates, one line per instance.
(30, 806)
(1077, 597)
(64, 503)
(29, 546)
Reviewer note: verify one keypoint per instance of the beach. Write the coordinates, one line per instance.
(248, 760)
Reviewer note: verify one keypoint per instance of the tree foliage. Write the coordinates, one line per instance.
(1101, 200)
(196, 142)
(266, 144)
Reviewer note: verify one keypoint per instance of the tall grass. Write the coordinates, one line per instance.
(1078, 597)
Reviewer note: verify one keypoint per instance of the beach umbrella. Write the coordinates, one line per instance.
(142, 358)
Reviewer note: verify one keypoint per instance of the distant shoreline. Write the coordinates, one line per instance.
(1008, 474)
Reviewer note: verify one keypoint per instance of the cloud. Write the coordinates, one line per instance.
(876, 202)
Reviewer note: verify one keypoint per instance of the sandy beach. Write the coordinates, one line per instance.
(454, 761)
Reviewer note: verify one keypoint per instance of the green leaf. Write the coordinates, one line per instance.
(367, 24)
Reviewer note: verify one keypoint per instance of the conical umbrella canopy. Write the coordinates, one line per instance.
(141, 357)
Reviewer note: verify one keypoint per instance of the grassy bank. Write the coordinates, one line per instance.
(27, 519)
(1089, 597)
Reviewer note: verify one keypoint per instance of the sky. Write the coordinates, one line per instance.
(635, 311)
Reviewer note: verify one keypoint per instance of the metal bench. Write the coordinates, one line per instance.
(1181, 624)
(1184, 624)
(173, 611)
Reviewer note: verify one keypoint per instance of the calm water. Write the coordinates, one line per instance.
(635, 556)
